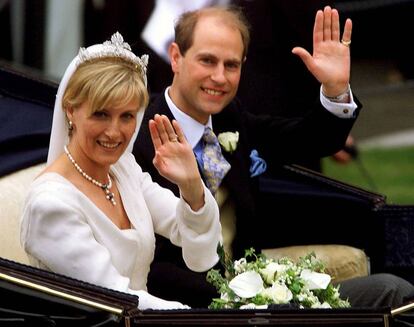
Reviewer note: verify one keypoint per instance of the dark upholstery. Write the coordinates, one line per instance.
(26, 109)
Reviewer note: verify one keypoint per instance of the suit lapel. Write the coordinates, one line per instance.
(236, 180)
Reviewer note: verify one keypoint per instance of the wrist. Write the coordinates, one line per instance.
(342, 97)
(193, 195)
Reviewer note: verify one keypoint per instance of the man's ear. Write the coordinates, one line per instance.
(175, 56)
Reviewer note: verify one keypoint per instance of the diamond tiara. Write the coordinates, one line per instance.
(116, 47)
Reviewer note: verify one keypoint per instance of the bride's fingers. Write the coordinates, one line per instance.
(155, 136)
(172, 136)
(161, 128)
(178, 131)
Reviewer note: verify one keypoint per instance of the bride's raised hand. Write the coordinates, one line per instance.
(175, 160)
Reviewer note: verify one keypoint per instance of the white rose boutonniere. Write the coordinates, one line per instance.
(228, 140)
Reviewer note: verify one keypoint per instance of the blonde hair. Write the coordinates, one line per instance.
(105, 82)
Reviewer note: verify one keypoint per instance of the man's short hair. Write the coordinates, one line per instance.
(231, 15)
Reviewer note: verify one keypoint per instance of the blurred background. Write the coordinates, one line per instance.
(383, 78)
(42, 36)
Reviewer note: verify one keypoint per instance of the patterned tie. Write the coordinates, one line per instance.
(215, 165)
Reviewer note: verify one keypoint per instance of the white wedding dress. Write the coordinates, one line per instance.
(63, 231)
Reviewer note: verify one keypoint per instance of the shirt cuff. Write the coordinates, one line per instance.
(341, 110)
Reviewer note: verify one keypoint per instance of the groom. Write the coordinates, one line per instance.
(206, 58)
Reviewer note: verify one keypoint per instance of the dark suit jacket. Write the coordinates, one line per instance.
(278, 140)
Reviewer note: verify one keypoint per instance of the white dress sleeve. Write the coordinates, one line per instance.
(57, 237)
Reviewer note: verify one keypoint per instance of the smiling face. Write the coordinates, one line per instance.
(99, 138)
(206, 78)
(102, 100)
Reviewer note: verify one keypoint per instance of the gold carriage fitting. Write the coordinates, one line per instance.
(35, 297)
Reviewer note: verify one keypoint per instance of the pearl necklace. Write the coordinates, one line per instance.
(110, 196)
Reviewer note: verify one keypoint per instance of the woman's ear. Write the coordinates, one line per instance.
(69, 117)
(175, 55)
(69, 113)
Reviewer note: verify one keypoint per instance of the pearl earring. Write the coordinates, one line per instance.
(70, 126)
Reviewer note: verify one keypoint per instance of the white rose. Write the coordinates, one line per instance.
(314, 280)
(269, 272)
(240, 265)
(247, 284)
(228, 140)
(278, 293)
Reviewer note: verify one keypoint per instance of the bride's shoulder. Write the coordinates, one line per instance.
(53, 178)
(59, 166)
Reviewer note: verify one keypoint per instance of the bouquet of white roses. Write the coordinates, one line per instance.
(255, 282)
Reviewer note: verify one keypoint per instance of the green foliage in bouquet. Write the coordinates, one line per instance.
(255, 282)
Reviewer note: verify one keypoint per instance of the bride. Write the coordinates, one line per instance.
(92, 213)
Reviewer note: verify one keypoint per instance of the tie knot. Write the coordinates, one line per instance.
(209, 136)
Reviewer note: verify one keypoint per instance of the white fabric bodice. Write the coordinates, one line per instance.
(63, 231)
